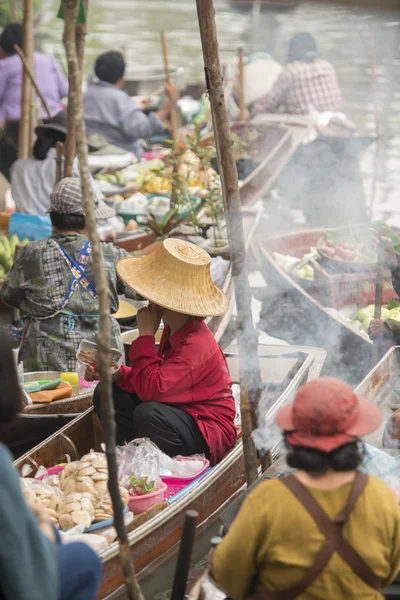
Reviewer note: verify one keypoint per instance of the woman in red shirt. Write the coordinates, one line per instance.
(179, 396)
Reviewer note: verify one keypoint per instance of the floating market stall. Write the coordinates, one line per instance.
(315, 296)
(155, 532)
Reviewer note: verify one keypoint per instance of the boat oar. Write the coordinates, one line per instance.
(380, 266)
(32, 78)
(242, 101)
(185, 555)
(168, 80)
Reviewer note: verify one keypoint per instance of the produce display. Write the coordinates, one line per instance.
(305, 271)
(8, 247)
(364, 316)
(78, 495)
(352, 252)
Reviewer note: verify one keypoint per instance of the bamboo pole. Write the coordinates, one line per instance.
(168, 80)
(70, 142)
(25, 126)
(104, 336)
(377, 169)
(13, 12)
(32, 78)
(242, 101)
(380, 267)
(250, 379)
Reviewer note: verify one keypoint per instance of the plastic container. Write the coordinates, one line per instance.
(176, 484)
(139, 504)
(87, 354)
(73, 380)
(345, 289)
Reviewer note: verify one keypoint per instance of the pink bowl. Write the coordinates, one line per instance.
(176, 484)
(139, 504)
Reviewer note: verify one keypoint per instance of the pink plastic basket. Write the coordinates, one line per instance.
(176, 484)
(139, 504)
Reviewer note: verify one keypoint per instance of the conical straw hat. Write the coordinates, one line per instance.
(176, 276)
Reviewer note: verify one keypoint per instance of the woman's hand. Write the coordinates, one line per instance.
(148, 319)
(376, 328)
(390, 256)
(91, 374)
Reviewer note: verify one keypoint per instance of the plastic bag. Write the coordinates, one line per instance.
(381, 464)
(33, 227)
(181, 466)
(87, 354)
(139, 466)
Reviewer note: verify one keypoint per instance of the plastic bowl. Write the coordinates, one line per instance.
(139, 504)
(176, 484)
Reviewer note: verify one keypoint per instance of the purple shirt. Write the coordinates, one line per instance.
(51, 82)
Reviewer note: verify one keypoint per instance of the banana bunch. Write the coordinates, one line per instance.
(156, 185)
(7, 252)
(116, 178)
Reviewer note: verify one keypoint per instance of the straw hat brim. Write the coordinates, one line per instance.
(151, 283)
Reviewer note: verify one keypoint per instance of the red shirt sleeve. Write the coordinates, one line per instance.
(153, 378)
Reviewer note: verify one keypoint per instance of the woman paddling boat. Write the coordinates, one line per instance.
(179, 396)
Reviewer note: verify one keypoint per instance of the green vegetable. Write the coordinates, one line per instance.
(141, 486)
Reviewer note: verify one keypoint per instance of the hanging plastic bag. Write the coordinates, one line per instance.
(139, 466)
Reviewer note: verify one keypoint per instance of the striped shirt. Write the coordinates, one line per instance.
(302, 84)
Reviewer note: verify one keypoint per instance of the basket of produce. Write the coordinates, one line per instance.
(144, 494)
(338, 290)
(350, 249)
(8, 247)
(363, 317)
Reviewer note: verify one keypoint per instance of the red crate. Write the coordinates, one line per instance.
(344, 289)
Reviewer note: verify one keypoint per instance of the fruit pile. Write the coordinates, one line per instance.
(364, 316)
(8, 247)
(352, 252)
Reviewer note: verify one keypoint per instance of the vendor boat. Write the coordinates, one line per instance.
(154, 535)
(301, 311)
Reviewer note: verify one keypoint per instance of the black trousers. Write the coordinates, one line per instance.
(171, 429)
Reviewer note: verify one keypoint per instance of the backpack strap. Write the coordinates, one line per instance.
(334, 542)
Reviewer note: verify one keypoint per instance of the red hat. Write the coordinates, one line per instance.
(327, 414)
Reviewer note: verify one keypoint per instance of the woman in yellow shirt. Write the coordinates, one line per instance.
(282, 546)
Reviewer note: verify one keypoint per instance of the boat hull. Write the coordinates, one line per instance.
(294, 313)
(154, 534)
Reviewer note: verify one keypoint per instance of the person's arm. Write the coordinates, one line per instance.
(151, 377)
(28, 559)
(276, 96)
(136, 125)
(234, 563)
(11, 291)
(3, 86)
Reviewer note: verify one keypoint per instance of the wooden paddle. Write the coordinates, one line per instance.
(168, 80)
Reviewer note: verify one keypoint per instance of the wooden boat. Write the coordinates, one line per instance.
(381, 386)
(299, 311)
(154, 534)
(276, 139)
(39, 421)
